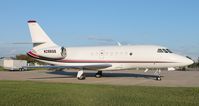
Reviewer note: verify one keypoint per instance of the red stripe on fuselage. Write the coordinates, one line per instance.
(109, 61)
(32, 54)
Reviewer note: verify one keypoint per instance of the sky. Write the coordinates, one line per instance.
(170, 23)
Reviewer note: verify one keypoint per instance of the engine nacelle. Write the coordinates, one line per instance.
(52, 53)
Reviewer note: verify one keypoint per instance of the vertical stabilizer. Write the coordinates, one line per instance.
(38, 35)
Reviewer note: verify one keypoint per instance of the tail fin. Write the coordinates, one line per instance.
(38, 35)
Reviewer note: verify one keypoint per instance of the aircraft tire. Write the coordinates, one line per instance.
(83, 77)
(158, 78)
(98, 75)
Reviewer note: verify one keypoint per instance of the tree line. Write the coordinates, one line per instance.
(29, 59)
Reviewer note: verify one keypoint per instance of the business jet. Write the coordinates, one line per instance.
(101, 58)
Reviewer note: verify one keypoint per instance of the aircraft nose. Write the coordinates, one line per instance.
(188, 61)
(183, 61)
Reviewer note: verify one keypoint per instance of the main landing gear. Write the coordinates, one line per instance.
(158, 77)
(98, 74)
(81, 75)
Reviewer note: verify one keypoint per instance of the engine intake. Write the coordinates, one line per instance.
(52, 53)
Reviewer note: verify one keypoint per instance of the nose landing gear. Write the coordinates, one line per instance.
(81, 75)
(158, 77)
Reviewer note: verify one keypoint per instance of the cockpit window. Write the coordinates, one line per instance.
(165, 50)
(160, 51)
(169, 51)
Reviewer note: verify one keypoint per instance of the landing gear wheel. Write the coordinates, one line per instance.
(98, 74)
(82, 77)
(21, 69)
(158, 78)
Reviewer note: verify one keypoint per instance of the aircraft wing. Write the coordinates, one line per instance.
(88, 67)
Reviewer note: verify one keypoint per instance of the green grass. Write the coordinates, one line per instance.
(1, 68)
(25, 93)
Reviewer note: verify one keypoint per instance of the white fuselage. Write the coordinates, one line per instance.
(121, 57)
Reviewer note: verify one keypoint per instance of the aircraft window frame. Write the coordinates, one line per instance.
(160, 51)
